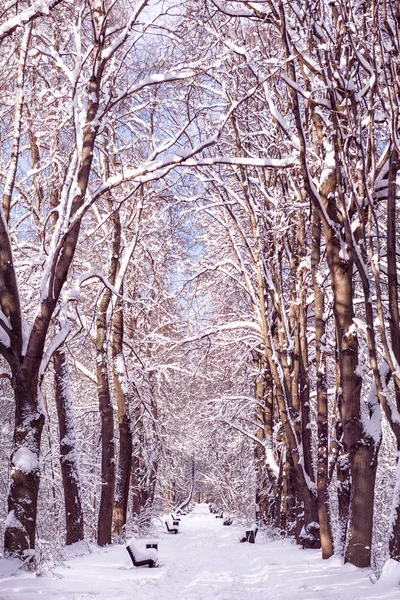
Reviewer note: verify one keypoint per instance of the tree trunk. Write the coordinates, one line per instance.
(359, 447)
(303, 487)
(107, 450)
(20, 526)
(106, 508)
(343, 476)
(267, 469)
(104, 528)
(394, 541)
(322, 397)
(68, 453)
(124, 423)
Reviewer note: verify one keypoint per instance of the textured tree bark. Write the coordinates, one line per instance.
(68, 452)
(266, 477)
(124, 423)
(104, 527)
(394, 541)
(359, 447)
(302, 485)
(343, 476)
(322, 398)
(20, 526)
(304, 382)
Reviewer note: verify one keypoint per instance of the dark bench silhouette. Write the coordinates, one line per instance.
(175, 518)
(251, 535)
(152, 545)
(180, 512)
(146, 562)
(219, 515)
(228, 521)
(173, 529)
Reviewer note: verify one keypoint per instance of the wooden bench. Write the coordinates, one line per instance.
(177, 519)
(153, 545)
(145, 562)
(251, 535)
(228, 521)
(173, 529)
(220, 515)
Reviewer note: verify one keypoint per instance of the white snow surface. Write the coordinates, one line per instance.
(204, 561)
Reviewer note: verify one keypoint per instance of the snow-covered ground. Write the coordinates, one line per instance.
(205, 561)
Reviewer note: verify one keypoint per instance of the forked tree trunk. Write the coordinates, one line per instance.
(68, 452)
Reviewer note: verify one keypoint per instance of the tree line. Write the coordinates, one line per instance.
(199, 208)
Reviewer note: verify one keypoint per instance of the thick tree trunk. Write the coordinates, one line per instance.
(363, 472)
(356, 443)
(20, 526)
(68, 451)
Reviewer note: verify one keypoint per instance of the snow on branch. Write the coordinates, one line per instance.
(55, 343)
(85, 371)
(233, 325)
(233, 12)
(37, 9)
(155, 79)
(185, 159)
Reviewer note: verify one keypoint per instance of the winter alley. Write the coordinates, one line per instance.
(205, 561)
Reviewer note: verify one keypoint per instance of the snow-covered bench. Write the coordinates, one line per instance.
(228, 521)
(142, 558)
(175, 518)
(174, 528)
(251, 534)
(219, 515)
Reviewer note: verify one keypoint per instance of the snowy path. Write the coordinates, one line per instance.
(204, 561)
